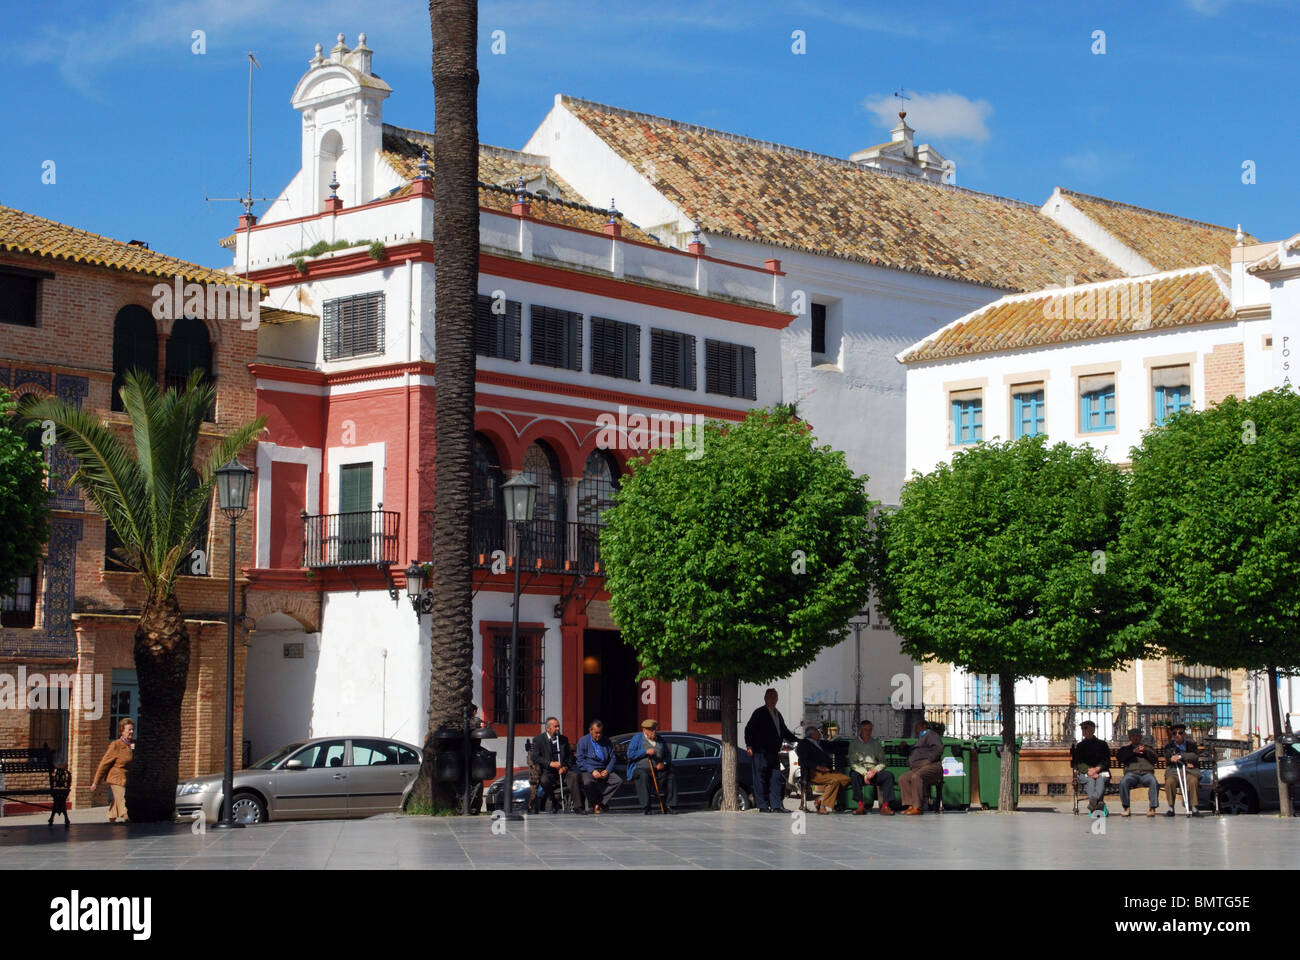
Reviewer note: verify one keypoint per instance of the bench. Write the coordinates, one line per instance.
(38, 761)
(837, 750)
(1206, 758)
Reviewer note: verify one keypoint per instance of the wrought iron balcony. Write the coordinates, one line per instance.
(545, 546)
(363, 538)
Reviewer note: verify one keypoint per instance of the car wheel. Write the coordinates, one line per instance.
(249, 809)
(1237, 797)
(742, 799)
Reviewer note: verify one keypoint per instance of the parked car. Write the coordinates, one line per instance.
(697, 762)
(322, 778)
(1247, 784)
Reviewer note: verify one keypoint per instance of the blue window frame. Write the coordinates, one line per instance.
(1097, 403)
(1029, 413)
(967, 419)
(1172, 389)
(1212, 690)
(1093, 689)
(986, 695)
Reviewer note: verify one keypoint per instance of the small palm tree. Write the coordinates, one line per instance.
(155, 499)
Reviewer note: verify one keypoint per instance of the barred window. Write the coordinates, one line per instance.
(729, 369)
(672, 359)
(496, 334)
(615, 348)
(708, 701)
(18, 609)
(529, 684)
(556, 338)
(353, 326)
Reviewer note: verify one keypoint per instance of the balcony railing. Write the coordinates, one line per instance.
(545, 546)
(1040, 724)
(358, 539)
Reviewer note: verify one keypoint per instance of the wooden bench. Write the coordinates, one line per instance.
(38, 761)
(1206, 758)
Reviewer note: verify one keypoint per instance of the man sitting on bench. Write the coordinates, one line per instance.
(815, 766)
(1139, 762)
(867, 769)
(925, 769)
(1180, 754)
(1091, 760)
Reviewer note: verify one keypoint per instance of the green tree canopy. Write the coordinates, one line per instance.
(738, 565)
(1003, 562)
(24, 501)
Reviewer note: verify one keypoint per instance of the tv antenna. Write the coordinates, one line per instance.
(248, 199)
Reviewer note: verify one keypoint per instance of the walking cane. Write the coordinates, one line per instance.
(655, 780)
(1182, 785)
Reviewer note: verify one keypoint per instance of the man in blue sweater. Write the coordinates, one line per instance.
(596, 764)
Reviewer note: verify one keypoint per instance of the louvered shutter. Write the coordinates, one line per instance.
(353, 326)
(615, 348)
(556, 338)
(496, 334)
(729, 369)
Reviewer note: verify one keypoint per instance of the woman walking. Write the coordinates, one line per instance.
(114, 766)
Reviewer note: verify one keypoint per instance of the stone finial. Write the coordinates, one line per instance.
(695, 232)
(339, 50)
(334, 185)
(361, 41)
(423, 166)
(519, 189)
(613, 212)
(1241, 237)
(318, 58)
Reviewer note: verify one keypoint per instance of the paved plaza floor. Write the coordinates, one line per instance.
(1044, 839)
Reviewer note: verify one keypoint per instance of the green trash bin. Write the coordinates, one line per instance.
(956, 789)
(989, 753)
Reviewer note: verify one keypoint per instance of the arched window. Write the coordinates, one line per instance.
(543, 468)
(487, 508)
(135, 347)
(188, 349)
(597, 487)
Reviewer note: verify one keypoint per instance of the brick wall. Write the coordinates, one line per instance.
(1225, 372)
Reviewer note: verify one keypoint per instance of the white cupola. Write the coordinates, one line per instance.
(341, 102)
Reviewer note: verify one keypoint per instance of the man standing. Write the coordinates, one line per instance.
(1180, 754)
(596, 764)
(764, 734)
(1090, 758)
(925, 769)
(650, 765)
(552, 753)
(1139, 762)
(815, 767)
(867, 769)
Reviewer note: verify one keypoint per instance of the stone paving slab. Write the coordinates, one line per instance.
(691, 841)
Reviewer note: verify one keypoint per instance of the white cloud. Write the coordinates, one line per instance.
(936, 115)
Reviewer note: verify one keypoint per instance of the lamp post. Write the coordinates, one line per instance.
(233, 483)
(520, 498)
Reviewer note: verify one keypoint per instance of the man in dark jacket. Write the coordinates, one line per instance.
(1139, 762)
(925, 769)
(815, 768)
(764, 734)
(554, 756)
(1090, 758)
(1180, 754)
(650, 765)
(596, 764)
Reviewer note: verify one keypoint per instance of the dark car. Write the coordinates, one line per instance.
(697, 763)
(1247, 784)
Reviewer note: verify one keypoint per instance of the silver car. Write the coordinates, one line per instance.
(325, 778)
(1247, 784)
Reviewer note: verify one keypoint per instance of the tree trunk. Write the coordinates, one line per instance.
(162, 664)
(730, 706)
(454, 24)
(1283, 789)
(1010, 758)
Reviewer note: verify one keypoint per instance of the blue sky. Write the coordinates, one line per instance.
(139, 127)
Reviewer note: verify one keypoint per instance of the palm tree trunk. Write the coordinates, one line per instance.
(162, 664)
(455, 237)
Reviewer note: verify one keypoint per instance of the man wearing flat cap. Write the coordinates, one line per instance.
(1181, 754)
(1090, 758)
(1139, 762)
(650, 765)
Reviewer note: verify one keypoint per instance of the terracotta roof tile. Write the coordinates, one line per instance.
(1083, 312)
(22, 232)
(1274, 259)
(1165, 241)
(792, 198)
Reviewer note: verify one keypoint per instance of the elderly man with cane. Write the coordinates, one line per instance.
(1180, 772)
(650, 763)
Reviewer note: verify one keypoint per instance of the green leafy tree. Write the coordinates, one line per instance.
(146, 486)
(1213, 527)
(1003, 562)
(24, 501)
(740, 564)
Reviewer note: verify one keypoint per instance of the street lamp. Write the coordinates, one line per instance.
(233, 483)
(520, 498)
(421, 599)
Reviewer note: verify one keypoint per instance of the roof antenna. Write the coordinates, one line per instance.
(248, 199)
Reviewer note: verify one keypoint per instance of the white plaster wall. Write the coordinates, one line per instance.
(279, 693)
